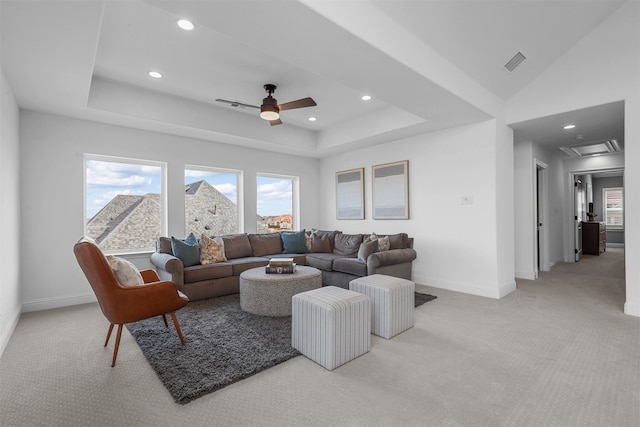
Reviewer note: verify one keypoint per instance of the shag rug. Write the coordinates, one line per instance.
(223, 345)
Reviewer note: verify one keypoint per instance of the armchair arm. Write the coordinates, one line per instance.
(170, 268)
(391, 257)
(149, 276)
(151, 299)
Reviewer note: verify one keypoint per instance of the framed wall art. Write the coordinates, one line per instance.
(391, 190)
(350, 194)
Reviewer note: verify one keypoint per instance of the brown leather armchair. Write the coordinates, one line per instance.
(121, 304)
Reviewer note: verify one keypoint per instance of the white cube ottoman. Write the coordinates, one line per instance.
(392, 302)
(331, 325)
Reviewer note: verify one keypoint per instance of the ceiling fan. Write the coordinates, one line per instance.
(270, 109)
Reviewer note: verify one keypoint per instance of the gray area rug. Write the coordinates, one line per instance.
(223, 345)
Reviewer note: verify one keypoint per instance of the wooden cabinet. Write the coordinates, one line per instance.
(594, 238)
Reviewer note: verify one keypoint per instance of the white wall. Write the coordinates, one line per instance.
(603, 67)
(458, 245)
(9, 213)
(51, 177)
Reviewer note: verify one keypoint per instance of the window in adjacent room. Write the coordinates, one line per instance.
(277, 203)
(125, 203)
(211, 201)
(613, 202)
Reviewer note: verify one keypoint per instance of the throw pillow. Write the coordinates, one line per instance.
(126, 273)
(309, 237)
(211, 250)
(383, 242)
(188, 250)
(366, 249)
(294, 242)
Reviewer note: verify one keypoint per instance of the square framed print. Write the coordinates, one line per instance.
(391, 190)
(350, 194)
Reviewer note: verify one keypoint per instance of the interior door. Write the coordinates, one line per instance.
(579, 212)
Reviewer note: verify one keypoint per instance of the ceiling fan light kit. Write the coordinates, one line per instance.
(270, 109)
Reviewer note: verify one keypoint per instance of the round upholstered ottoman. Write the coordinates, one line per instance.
(270, 294)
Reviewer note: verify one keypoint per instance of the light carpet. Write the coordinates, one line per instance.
(223, 345)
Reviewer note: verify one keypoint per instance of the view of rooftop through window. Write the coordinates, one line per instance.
(122, 203)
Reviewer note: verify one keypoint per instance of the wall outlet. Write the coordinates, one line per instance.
(466, 200)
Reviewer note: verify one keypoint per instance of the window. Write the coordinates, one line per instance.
(124, 203)
(277, 203)
(613, 202)
(211, 201)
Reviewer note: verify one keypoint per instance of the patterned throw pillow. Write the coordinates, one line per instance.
(383, 242)
(126, 273)
(211, 250)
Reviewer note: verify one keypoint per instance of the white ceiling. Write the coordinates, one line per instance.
(427, 64)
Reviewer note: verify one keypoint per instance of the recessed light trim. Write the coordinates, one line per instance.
(569, 126)
(312, 119)
(155, 74)
(185, 24)
(366, 97)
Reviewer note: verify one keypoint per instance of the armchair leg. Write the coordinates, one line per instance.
(115, 350)
(177, 325)
(108, 335)
(164, 317)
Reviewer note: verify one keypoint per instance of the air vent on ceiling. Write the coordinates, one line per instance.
(515, 61)
(595, 148)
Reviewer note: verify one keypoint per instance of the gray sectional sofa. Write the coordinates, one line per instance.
(340, 257)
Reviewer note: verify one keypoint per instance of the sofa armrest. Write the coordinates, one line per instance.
(391, 257)
(169, 268)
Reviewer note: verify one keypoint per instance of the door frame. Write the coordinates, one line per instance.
(540, 217)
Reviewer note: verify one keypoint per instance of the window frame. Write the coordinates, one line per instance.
(239, 190)
(162, 197)
(605, 210)
(295, 196)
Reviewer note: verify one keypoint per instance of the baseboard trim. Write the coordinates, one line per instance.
(632, 309)
(525, 275)
(58, 302)
(8, 331)
(495, 293)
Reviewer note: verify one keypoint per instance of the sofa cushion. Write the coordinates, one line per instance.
(237, 246)
(367, 248)
(188, 250)
(347, 244)
(198, 273)
(398, 241)
(241, 264)
(322, 261)
(163, 245)
(294, 242)
(350, 266)
(265, 244)
(211, 250)
(126, 273)
(320, 243)
(330, 234)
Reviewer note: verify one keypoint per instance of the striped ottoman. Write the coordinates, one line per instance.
(392, 302)
(331, 325)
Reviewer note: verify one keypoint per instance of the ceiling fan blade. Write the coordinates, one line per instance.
(300, 103)
(237, 104)
(275, 122)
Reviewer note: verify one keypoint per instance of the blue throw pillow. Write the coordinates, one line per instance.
(294, 243)
(188, 250)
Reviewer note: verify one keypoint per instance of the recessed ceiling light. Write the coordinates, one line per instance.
(312, 119)
(366, 97)
(570, 126)
(185, 24)
(155, 74)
